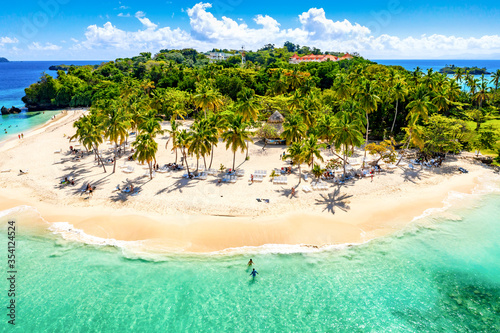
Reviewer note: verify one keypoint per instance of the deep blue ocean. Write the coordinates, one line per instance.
(424, 65)
(15, 76)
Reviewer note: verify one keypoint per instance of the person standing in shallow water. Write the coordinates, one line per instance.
(250, 263)
(254, 273)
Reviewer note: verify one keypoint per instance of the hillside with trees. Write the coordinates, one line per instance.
(350, 100)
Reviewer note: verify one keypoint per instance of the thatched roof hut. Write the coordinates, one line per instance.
(276, 120)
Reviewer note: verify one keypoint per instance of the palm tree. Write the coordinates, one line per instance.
(312, 149)
(173, 131)
(90, 132)
(482, 93)
(317, 171)
(117, 124)
(459, 73)
(200, 140)
(368, 101)
(495, 79)
(441, 100)
(146, 148)
(183, 140)
(217, 126)
(294, 128)
(247, 105)
(399, 91)
(236, 135)
(421, 104)
(347, 133)
(295, 152)
(414, 132)
(206, 98)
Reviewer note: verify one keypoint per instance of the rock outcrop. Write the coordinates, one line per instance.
(10, 111)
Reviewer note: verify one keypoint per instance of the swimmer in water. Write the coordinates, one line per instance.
(254, 273)
(250, 263)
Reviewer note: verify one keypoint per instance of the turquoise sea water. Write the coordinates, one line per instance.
(22, 122)
(442, 274)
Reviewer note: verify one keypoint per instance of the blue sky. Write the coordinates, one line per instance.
(392, 29)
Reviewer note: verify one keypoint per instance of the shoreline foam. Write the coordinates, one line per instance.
(150, 249)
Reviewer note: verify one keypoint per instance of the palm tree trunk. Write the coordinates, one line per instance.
(99, 159)
(114, 164)
(197, 161)
(366, 140)
(234, 158)
(211, 156)
(150, 170)
(185, 160)
(204, 162)
(407, 145)
(175, 155)
(300, 175)
(247, 149)
(395, 116)
(345, 158)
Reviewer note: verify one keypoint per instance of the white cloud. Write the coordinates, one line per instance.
(124, 7)
(145, 21)
(314, 29)
(35, 46)
(318, 27)
(124, 15)
(74, 40)
(8, 40)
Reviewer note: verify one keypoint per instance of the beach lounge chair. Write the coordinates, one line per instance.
(129, 169)
(22, 172)
(462, 170)
(146, 174)
(5, 170)
(306, 189)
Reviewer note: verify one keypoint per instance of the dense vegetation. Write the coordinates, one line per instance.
(3, 59)
(470, 70)
(64, 67)
(340, 103)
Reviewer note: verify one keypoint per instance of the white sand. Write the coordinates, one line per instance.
(203, 215)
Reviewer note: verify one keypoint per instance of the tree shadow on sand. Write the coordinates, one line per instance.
(334, 200)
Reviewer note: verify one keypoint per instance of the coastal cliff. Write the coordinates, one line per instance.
(3, 59)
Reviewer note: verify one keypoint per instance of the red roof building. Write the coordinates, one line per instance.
(295, 59)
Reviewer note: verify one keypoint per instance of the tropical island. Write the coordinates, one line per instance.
(3, 59)
(195, 137)
(471, 70)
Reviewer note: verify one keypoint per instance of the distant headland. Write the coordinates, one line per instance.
(67, 67)
(3, 59)
(452, 69)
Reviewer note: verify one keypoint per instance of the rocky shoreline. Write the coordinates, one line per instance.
(11, 110)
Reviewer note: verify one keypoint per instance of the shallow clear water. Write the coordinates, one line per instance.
(16, 124)
(440, 275)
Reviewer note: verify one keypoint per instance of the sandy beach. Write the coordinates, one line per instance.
(204, 215)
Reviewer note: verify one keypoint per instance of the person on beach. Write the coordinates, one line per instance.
(22, 136)
(19, 136)
(293, 191)
(254, 273)
(251, 178)
(250, 263)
